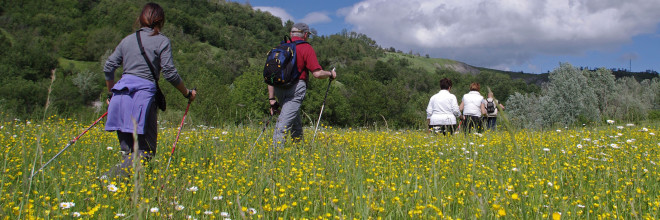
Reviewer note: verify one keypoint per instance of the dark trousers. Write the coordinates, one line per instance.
(472, 122)
(491, 123)
(147, 142)
(443, 128)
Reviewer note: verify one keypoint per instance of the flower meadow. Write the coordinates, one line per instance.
(591, 172)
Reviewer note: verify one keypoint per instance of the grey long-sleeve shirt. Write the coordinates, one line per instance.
(158, 50)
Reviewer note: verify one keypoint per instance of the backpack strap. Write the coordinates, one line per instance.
(286, 39)
(151, 66)
(301, 42)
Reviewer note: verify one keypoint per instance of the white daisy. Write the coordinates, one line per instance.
(112, 188)
(109, 148)
(610, 121)
(75, 214)
(546, 149)
(67, 205)
(179, 207)
(154, 210)
(224, 214)
(192, 189)
(579, 146)
(120, 215)
(252, 211)
(208, 212)
(216, 198)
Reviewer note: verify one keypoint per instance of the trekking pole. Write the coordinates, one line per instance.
(177, 136)
(262, 132)
(322, 107)
(68, 145)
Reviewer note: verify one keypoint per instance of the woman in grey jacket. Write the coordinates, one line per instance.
(131, 104)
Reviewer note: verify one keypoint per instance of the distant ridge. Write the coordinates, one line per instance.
(432, 64)
(459, 67)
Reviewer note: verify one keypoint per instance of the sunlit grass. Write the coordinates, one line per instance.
(604, 172)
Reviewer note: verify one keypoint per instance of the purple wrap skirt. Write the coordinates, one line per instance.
(129, 107)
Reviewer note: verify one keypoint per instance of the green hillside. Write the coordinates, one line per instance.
(220, 49)
(427, 64)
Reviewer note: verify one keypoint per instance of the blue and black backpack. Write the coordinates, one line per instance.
(281, 69)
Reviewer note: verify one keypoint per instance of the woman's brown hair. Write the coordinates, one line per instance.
(474, 86)
(152, 16)
(445, 83)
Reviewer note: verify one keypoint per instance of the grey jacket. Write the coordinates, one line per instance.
(158, 50)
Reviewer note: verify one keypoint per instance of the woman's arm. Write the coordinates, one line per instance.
(483, 109)
(189, 94)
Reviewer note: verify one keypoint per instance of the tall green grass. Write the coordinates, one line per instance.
(602, 172)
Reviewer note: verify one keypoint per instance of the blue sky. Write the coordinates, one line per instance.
(515, 35)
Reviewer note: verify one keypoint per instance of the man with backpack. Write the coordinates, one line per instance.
(490, 104)
(288, 92)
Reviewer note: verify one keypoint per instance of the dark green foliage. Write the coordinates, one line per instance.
(23, 97)
(654, 115)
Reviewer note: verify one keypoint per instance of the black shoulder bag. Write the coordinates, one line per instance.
(160, 97)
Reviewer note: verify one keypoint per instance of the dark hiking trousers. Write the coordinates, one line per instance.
(443, 128)
(147, 142)
(491, 123)
(472, 122)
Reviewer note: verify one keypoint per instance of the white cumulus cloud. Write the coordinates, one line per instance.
(277, 12)
(316, 18)
(503, 32)
(311, 18)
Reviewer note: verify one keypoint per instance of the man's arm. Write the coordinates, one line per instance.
(271, 99)
(322, 74)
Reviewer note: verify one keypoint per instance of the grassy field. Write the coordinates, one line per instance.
(604, 172)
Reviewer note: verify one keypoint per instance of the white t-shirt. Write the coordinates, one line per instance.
(472, 103)
(443, 109)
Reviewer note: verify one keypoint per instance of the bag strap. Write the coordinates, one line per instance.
(301, 42)
(151, 66)
(288, 39)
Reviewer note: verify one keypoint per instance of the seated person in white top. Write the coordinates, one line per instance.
(443, 109)
(472, 105)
